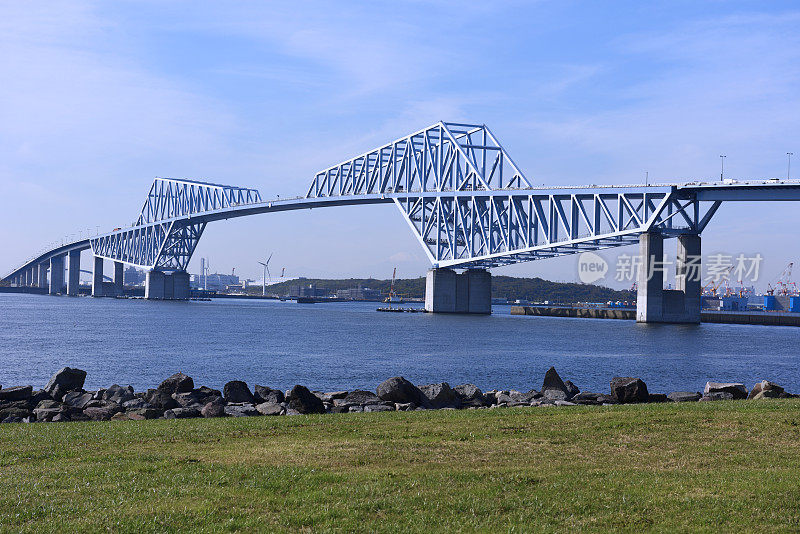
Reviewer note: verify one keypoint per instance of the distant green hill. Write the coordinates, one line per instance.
(533, 289)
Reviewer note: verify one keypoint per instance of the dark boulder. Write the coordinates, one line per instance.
(657, 397)
(160, 400)
(270, 408)
(177, 383)
(361, 397)
(136, 404)
(100, 413)
(181, 413)
(572, 389)
(118, 394)
(213, 409)
(766, 389)
(553, 387)
(684, 396)
(441, 395)
(15, 410)
(626, 389)
(237, 391)
(241, 410)
(264, 394)
(65, 380)
(16, 393)
(188, 399)
(526, 398)
(470, 395)
(302, 400)
(734, 388)
(77, 399)
(398, 389)
(38, 396)
(145, 413)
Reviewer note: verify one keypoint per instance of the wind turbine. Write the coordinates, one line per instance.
(264, 279)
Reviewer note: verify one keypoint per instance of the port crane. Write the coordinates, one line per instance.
(784, 284)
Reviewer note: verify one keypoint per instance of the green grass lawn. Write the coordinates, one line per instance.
(695, 466)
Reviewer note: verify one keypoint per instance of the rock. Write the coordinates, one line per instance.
(123, 416)
(237, 392)
(657, 397)
(339, 409)
(213, 409)
(77, 399)
(377, 408)
(717, 396)
(404, 406)
(99, 413)
(362, 397)
(593, 399)
(684, 396)
(441, 395)
(269, 408)
(264, 394)
(770, 395)
(136, 404)
(356, 409)
(503, 398)
(518, 396)
(207, 393)
(118, 394)
(626, 389)
(181, 413)
(303, 401)
(65, 380)
(145, 413)
(398, 389)
(572, 389)
(161, 400)
(332, 395)
(553, 387)
(39, 395)
(188, 399)
(240, 410)
(564, 403)
(767, 389)
(61, 418)
(16, 393)
(469, 395)
(177, 383)
(15, 412)
(734, 388)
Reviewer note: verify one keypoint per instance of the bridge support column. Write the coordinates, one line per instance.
(167, 286)
(468, 292)
(74, 273)
(97, 277)
(41, 275)
(654, 304)
(56, 275)
(118, 278)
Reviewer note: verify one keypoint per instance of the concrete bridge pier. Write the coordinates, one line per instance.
(160, 285)
(41, 271)
(74, 273)
(654, 304)
(56, 274)
(118, 278)
(449, 292)
(97, 277)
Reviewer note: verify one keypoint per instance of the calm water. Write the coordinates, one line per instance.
(350, 345)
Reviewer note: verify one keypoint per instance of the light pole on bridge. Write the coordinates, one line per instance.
(789, 165)
(722, 171)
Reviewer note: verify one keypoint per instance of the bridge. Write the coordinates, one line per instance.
(464, 199)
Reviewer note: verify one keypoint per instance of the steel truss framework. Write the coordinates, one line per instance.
(466, 201)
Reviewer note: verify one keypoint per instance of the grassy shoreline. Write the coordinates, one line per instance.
(692, 466)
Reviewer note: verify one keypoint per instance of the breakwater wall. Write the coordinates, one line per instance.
(63, 398)
(706, 316)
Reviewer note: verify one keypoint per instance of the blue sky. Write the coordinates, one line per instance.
(97, 98)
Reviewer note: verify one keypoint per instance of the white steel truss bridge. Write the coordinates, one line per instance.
(466, 201)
